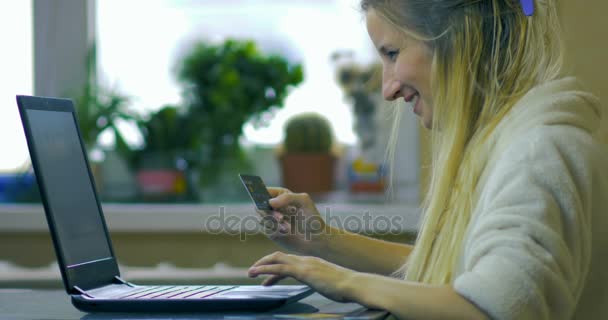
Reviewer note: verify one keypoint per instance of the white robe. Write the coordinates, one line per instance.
(537, 245)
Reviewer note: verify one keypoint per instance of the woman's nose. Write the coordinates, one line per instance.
(391, 89)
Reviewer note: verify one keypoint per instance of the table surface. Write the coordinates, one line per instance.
(18, 304)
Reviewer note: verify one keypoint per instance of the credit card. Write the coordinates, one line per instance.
(257, 191)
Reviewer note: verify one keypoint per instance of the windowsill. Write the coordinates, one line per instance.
(156, 223)
(192, 217)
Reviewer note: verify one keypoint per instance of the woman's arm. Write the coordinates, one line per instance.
(409, 300)
(405, 300)
(361, 253)
(297, 213)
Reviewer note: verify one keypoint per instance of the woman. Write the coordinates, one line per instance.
(513, 221)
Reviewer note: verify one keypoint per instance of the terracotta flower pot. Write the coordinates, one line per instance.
(308, 172)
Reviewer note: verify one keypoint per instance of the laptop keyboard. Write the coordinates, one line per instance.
(173, 292)
(126, 292)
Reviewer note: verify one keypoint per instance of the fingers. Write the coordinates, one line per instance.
(284, 201)
(276, 257)
(283, 270)
(276, 191)
(263, 213)
(271, 214)
(278, 264)
(297, 200)
(274, 228)
(269, 223)
(272, 280)
(278, 216)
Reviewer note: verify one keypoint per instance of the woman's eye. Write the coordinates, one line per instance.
(392, 54)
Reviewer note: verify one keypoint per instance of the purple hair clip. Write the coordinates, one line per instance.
(528, 6)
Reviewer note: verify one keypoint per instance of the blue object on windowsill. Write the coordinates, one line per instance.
(528, 7)
(13, 187)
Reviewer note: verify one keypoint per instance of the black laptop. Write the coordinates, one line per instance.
(84, 251)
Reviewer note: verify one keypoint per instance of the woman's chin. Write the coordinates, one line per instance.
(426, 124)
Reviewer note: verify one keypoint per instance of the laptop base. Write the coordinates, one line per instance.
(209, 298)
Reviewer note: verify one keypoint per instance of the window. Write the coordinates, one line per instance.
(16, 78)
(139, 44)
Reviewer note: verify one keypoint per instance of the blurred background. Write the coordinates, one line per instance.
(176, 97)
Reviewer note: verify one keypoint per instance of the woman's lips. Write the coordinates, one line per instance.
(414, 100)
(410, 96)
(417, 106)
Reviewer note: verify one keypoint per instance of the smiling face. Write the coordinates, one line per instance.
(406, 66)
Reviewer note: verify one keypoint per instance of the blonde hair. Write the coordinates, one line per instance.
(486, 54)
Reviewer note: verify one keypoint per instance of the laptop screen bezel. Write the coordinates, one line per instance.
(86, 275)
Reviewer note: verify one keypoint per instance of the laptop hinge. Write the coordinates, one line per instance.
(83, 292)
(120, 280)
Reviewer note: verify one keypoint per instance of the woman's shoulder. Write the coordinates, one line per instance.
(557, 114)
(551, 136)
(561, 103)
(554, 146)
(554, 159)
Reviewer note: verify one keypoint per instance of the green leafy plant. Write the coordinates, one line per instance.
(225, 86)
(170, 147)
(99, 109)
(308, 133)
(168, 132)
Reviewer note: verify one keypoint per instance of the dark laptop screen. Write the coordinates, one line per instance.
(70, 195)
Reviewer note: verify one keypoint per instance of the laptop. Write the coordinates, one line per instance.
(89, 268)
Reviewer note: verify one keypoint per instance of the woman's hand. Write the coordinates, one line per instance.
(326, 278)
(296, 224)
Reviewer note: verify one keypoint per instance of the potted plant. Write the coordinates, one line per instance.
(190, 145)
(225, 86)
(166, 164)
(307, 160)
(99, 109)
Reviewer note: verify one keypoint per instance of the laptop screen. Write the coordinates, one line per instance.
(62, 169)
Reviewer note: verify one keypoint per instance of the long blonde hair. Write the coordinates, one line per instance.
(486, 54)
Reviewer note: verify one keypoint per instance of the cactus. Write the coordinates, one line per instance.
(308, 133)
